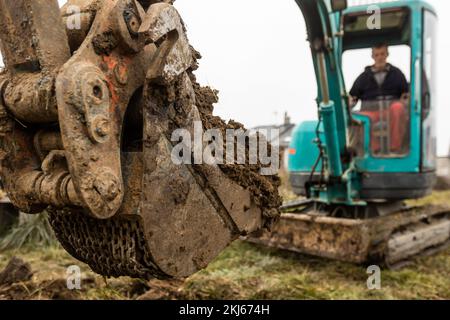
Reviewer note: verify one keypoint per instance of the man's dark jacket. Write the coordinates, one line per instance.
(367, 88)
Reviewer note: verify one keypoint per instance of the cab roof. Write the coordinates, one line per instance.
(359, 5)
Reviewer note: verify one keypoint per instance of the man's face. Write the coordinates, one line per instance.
(380, 56)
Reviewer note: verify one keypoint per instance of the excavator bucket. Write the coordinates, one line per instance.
(87, 132)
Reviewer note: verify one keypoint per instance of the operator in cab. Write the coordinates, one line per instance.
(383, 91)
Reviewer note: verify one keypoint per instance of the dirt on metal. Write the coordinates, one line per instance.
(94, 146)
(105, 43)
(392, 240)
(264, 189)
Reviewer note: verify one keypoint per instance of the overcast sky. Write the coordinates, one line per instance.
(255, 52)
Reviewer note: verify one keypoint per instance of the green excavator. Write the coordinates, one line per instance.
(351, 177)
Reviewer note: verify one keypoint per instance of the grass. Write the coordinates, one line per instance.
(243, 271)
(49, 264)
(247, 271)
(32, 229)
(437, 198)
(285, 189)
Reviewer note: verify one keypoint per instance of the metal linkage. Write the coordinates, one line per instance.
(115, 47)
(34, 46)
(86, 133)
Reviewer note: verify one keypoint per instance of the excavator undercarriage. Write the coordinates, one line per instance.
(384, 234)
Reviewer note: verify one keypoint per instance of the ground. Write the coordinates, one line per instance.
(243, 271)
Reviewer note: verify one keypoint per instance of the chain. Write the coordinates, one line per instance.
(113, 248)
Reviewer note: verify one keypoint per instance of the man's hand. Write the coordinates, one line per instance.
(405, 98)
(352, 101)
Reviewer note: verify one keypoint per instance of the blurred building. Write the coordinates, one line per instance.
(279, 135)
(443, 172)
(443, 167)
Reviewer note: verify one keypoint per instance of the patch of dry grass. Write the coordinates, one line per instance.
(243, 271)
(437, 198)
(247, 271)
(31, 229)
(285, 189)
(49, 281)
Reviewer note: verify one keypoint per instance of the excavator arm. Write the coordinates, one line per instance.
(336, 125)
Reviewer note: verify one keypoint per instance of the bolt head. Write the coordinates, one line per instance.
(103, 128)
(107, 185)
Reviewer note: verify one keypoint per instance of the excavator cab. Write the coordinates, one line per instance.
(383, 95)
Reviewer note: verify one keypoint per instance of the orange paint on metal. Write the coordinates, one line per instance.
(111, 63)
(123, 67)
(292, 152)
(114, 63)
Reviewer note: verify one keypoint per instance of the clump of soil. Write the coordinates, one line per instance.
(105, 43)
(46, 290)
(263, 188)
(17, 283)
(57, 290)
(162, 290)
(15, 271)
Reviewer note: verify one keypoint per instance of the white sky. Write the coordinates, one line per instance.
(255, 52)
